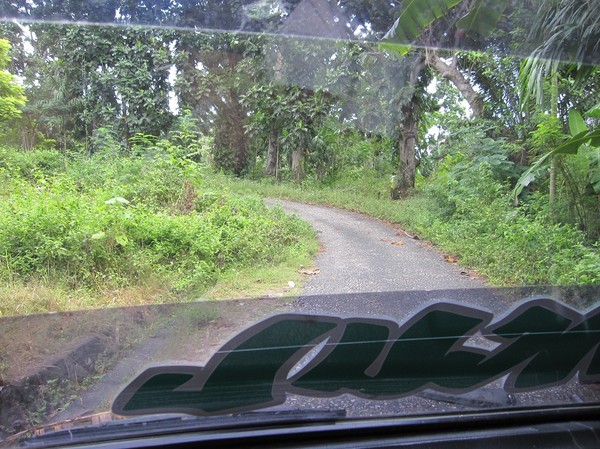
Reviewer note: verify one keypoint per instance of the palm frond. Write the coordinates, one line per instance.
(416, 15)
(483, 17)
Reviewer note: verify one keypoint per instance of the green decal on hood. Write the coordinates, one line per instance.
(540, 343)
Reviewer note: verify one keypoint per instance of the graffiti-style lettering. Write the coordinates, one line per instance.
(541, 343)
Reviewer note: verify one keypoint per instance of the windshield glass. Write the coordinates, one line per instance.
(352, 208)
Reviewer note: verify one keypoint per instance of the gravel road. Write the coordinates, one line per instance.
(361, 254)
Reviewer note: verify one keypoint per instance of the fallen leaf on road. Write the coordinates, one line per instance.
(410, 236)
(397, 243)
(309, 272)
(450, 259)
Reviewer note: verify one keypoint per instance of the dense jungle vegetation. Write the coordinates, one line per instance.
(133, 158)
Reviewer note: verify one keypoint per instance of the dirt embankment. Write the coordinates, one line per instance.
(46, 360)
(62, 366)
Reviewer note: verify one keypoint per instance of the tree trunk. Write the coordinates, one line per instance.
(552, 191)
(407, 143)
(125, 134)
(407, 164)
(230, 144)
(272, 153)
(28, 132)
(297, 170)
(238, 138)
(552, 187)
(272, 166)
(452, 74)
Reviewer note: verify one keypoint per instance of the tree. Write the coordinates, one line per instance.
(288, 118)
(213, 72)
(83, 78)
(12, 97)
(80, 79)
(56, 106)
(408, 128)
(568, 32)
(425, 27)
(451, 72)
(216, 69)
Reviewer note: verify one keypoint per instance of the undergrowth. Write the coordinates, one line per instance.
(90, 229)
(469, 215)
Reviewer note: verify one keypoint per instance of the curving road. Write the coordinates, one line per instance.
(361, 254)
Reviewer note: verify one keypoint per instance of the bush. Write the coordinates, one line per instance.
(112, 222)
(471, 216)
(31, 165)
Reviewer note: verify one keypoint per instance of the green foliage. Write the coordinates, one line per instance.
(473, 147)
(580, 171)
(472, 218)
(12, 97)
(295, 115)
(107, 222)
(33, 165)
(465, 207)
(547, 135)
(187, 139)
(480, 20)
(416, 16)
(482, 17)
(567, 31)
(84, 79)
(106, 140)
(350, 156)
(465, 210)
(545, 140)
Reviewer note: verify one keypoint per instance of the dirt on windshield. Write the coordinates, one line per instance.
(65, 365)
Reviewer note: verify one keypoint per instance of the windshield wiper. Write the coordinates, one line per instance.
(148, 426)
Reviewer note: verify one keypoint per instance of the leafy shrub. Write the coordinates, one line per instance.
(115, 222)
(470, 214)
(31, 165)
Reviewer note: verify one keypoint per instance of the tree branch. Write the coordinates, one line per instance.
(453, 75)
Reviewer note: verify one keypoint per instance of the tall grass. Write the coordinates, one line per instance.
(101, 226)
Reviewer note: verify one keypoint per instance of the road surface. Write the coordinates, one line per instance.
(361, 254)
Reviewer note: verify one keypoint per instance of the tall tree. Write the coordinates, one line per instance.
(285, 116)
(82, 78)
(426, 27)
(569, 36)
(411, 111)
(213, 72)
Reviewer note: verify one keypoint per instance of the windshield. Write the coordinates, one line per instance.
(312, 209)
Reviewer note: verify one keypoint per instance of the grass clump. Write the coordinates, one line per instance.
(90, 232)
